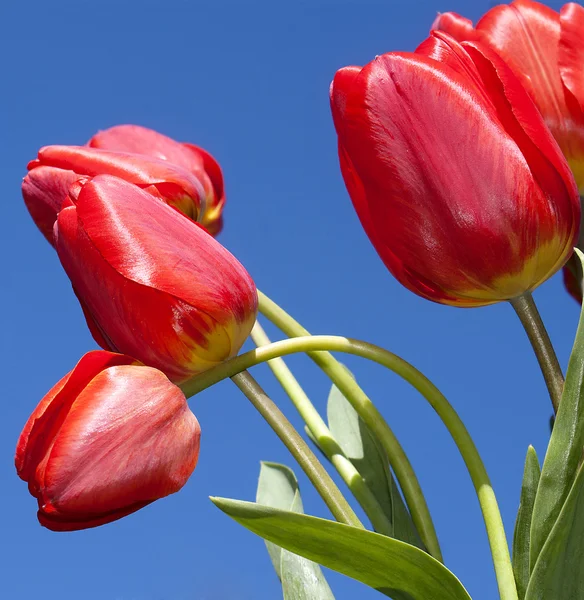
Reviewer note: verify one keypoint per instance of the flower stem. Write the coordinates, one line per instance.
(459, 433)
(317, 474)
(397, 458)
(540, 340)
(325, 439)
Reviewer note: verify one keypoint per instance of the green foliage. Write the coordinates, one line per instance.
(564, 452)
(301, 579)
(394, 568)
(559, 571)
(363, 450)
(521, 537)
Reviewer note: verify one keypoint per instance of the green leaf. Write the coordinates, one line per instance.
(564, 451)
(559, 570)
(301, 579)
(394, 568)
(277, 487)
(363, 450)
(523, 523)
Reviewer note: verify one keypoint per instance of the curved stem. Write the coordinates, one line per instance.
(540, 340)
(397, 458)
(298, 448)
(325, 439)
(459, 433)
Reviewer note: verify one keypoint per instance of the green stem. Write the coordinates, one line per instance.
(540, 340)
(325, 439)
(397, 458)
(317, 474)
(465, 444)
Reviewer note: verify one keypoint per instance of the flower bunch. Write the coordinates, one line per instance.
(464, 161)
(130, 215)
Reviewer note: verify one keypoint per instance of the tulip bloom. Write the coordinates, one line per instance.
(109, 438)
(151, 283)
(57, 167)
(546, 51)
(454, 175)
(195, 160)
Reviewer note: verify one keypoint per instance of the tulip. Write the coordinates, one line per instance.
(546, 51)
(57, 167)
(195, 160)
(151, 283)
(109, 438)
(456, 179)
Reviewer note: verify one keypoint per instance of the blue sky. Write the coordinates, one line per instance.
(249, 82)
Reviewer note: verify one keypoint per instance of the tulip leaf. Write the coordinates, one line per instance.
(521, 535)
(564, 451)
(559, 570)
(394, 568)
(363, 450)
(301, 579)
(277, 487)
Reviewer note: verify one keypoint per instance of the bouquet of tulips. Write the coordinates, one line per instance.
(464, 161)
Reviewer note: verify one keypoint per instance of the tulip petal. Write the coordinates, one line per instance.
(197, 161)
(436, 187)
(212, 218)
(154, 247)
(138, 169)
(458, 27)
(44, 190)
(39, 431)
(571, 51)
(443, 48)
(537, 143)
(154, 284)
(135, 139)
(571, 66)
(340, 88)
(129, 438)
(527, 35)
(51, 519)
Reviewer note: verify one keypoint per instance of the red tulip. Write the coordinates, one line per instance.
(109, 438)
(546, 51)
(197, 161)
(453, 173)
(153, 284)
(45, 187)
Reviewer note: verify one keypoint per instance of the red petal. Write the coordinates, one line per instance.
(40, 430)
(447, 201)
(212, 216)
(135, 139)
(64, 522)
(527, 35)
(128, 439)
(156, 284)
(43, 190)
(458, 27)
(537, 144)
(571, 51)
(340, 88)
(141, 170)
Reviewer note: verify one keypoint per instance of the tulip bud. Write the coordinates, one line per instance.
(151, 283)
(546, 52)
(195, 160)
(109, 438)
(45, 187)
(455, 177)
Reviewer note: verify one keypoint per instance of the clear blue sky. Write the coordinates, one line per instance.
(250, 83)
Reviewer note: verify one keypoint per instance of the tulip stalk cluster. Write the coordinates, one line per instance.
(464, 161)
